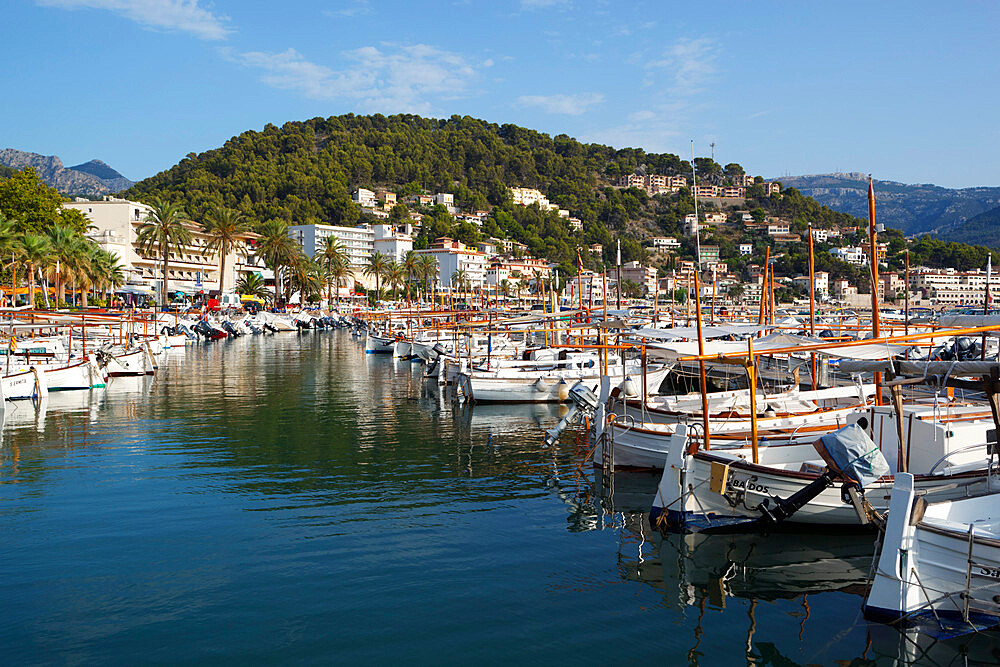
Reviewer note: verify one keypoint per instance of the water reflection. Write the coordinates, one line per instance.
(297, 498)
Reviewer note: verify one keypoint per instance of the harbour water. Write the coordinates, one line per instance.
(289, 500)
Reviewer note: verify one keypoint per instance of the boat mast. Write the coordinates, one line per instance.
(873, 262)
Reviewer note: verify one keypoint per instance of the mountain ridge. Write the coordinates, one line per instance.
(93, 178)
(914, 208)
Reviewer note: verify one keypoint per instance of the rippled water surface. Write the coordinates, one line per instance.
(288, 499)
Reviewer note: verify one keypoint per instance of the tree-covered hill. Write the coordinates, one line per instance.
(305, 172)
(983, 228)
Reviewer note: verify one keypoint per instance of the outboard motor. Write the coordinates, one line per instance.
(181, 329)
(584, 403)
(827, 333)
(301, 325)
(966, 348)
(851, 456)
(270, 328)
(203, 328)
(946, 352)
(228, 327)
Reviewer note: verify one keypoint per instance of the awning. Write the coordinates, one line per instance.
(135, 289)
(714, 331)
(775, 341)
(922, 368)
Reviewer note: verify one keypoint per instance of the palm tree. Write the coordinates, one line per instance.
(66, 250)
(411, 265)
(252, 284)
(378, 263)
(277, 248)
(427, 268)
(460, 278)
(106, 272)
(165, 230)
(10, 246)
(226, 229)
(81, 259)
(505, 288)
(36, 251)
(306, 277)
(395, 277)
(336, 262)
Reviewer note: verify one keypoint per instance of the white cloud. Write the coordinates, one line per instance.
(657, 129)
(691, 62)
(573, 105)
(356, 8)
(405, 79)
(182, 15)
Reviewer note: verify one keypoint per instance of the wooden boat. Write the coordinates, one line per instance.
(946, 448)
(940, 560)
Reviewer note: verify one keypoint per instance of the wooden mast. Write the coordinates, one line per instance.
(812, 304)
(873, 263)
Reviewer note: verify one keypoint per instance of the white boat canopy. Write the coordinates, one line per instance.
(774, 341)
(707, 331)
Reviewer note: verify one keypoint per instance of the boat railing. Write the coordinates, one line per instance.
(948, 455)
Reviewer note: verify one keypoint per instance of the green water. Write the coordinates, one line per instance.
(289, 500)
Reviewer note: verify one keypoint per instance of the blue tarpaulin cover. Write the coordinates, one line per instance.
(855, 455)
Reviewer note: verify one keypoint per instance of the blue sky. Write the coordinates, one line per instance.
(906, 91)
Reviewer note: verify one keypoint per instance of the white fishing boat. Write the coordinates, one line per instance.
(945, 446)
(940, 561)
(23, 385)
(135, 361)
(646, 444)
(550, 381)
(376, 344)
(86, 374)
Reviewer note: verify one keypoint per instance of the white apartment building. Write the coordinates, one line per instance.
(821, 283)
(665, 242)
(452, 256)
(528, 196)
(852, 255)
(447, 200)
(358, 242)
(821, 235)
(394, 241)
(365, 198)
(776, 228)
(746, 248)
(190, 270)
(715, 218)
(950, 287)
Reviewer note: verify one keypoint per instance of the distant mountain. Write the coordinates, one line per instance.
(983, 229)
(89, 179)
(914, 209)
(101, 170)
